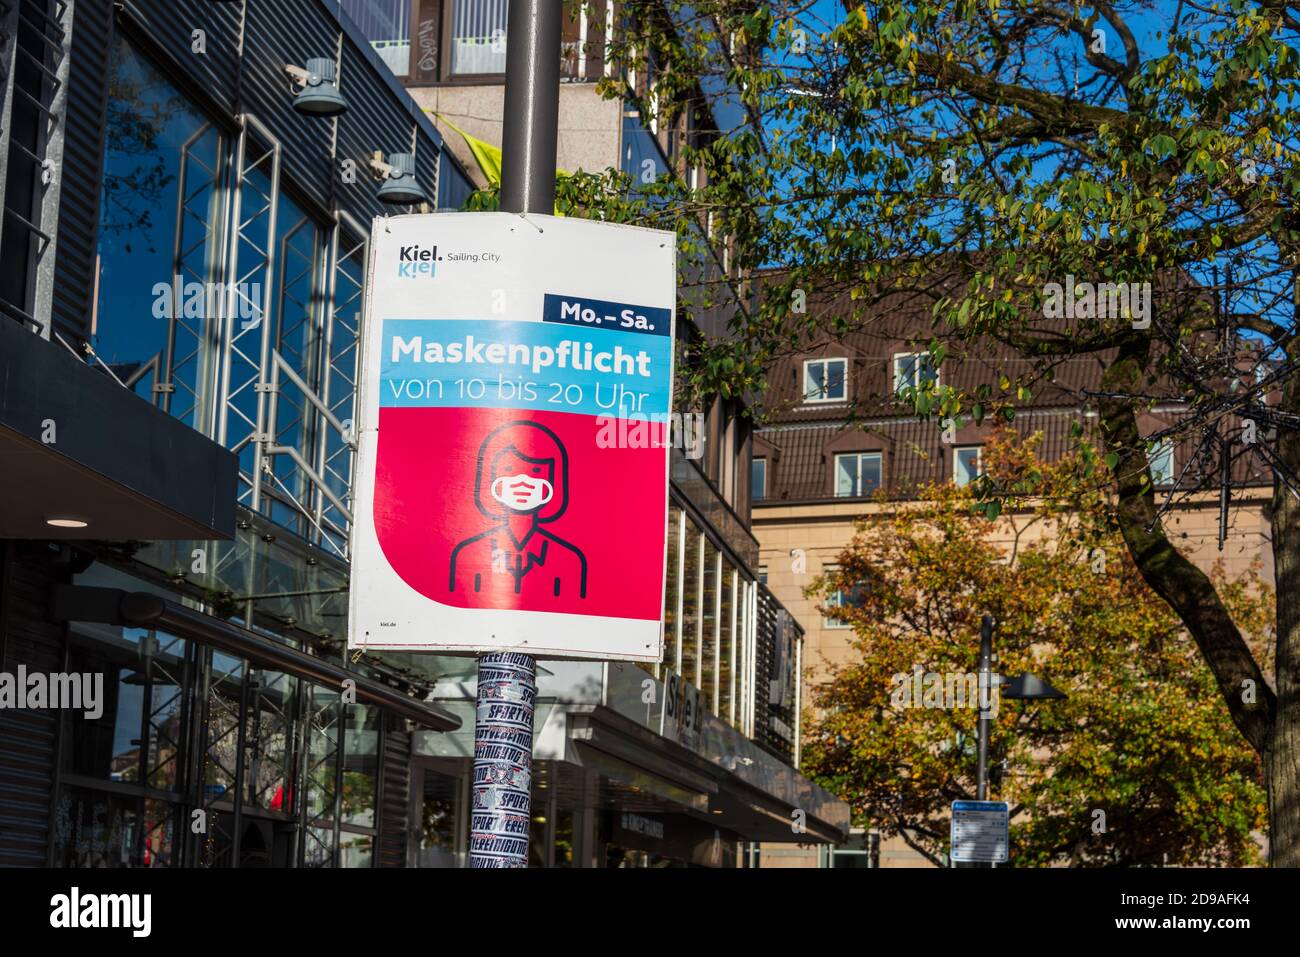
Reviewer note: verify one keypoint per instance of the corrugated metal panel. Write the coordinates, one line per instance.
(27, 736)
(426, 166)
(290, 32)
(374, 121)
(396, 787)
(8, 50)
(171, 24)
(83, 163)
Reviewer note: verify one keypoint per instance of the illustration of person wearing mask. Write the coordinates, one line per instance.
(522, 483)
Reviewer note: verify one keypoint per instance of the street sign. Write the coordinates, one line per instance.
(512, 481)
(979, 831)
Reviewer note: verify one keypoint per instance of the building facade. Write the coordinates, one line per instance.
(184, 270)
(838, 446)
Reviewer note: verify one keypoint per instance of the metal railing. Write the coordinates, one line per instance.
(37, 80)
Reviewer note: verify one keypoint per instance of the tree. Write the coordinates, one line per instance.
(1140, 765)
(1024, 146)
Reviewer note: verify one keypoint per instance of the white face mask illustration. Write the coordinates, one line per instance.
(522, 493)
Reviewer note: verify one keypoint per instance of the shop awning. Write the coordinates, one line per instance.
(81, 450)
(621, 750)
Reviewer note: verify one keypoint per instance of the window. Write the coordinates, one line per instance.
(839, 599)
(360, 764)
(673, 586)
(387, 25)
(160, 217)
(441, 819)
(137, 745)
(727, 649)
(692, 599)
(966, 464)
(856, 474)
(1161, 460)
(478, 37)
(825, 380)
(758, 479)
(709, 617)
(914, 369)
(269, 738)
(323, 720)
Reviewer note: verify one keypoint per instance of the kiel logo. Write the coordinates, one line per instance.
(417, 261)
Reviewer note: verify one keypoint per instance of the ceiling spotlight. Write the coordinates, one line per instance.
(398, 173)
(320, 96)
(66, 521)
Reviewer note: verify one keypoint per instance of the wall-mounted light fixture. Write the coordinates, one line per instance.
(320, 95)
(398, 173)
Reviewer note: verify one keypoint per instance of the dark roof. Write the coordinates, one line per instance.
(800, 439)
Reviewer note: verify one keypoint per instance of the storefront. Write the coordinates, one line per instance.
(627, 774)
(177, 388)
(184, 262)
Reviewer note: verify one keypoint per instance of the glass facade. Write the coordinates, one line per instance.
(688, 658)
(227, 298)
(673, 586)
(159, 233)
(706, 615)
(190, 737)
(707, 680)
(728, 619)
(222, 300)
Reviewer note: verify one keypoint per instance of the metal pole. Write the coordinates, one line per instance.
(985, 694)
(532, 107)
(501, 812)
(986, 688)
(507, 681)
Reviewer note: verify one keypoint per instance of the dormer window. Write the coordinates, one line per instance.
(825, 380)
(913, 369)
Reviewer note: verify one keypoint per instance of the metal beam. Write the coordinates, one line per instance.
(115, 606)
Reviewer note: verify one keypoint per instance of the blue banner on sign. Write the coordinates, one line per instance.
(475, 364)
(603, 314)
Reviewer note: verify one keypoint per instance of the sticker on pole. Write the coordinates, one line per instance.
(979, 831)
(511, 490)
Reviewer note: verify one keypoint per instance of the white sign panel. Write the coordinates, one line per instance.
(512, 478)
(979, 831)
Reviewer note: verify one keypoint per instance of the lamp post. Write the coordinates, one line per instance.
(1025, 687)
(502, 785)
